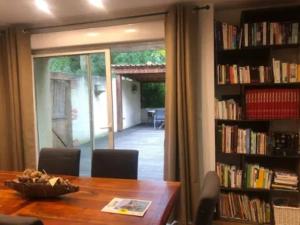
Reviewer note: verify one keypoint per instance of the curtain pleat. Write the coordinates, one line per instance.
(181, 148)
(17, 129)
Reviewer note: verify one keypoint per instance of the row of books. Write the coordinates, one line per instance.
(227, 36)
(285, 72)
(229, 175)
(274, 33)
(258, 177)
(242, 207)
(244, 141)
(227, 110)
(256, 34)
(285, 180)
(234, 74)
(271, 103)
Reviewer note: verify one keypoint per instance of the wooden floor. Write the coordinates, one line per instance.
(144, 138)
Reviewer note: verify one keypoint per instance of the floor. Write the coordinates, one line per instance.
(146, 139)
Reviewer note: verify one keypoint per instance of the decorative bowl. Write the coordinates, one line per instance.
(40, 190)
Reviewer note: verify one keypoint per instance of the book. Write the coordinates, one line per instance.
(134, 207)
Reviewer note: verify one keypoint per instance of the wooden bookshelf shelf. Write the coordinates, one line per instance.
(261, 156)
(257, 48)
(295, 84)
(261, 62)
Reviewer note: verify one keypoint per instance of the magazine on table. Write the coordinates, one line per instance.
(126, 206)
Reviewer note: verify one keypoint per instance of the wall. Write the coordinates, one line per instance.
(131, 104)
(205, 83)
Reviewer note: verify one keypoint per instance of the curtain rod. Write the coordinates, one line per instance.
(39, 29)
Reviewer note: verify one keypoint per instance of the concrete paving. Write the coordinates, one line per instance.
(147, 140)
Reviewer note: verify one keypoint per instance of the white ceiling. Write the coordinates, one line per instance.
(74, 11)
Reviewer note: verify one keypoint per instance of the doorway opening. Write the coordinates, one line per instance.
(103, 100)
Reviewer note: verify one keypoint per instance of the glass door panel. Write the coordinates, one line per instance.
(102, 100)
(74, 104)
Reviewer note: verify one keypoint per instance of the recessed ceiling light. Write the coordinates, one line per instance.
(43, 6)
(92, 34)
(97, 3)
(130, 30)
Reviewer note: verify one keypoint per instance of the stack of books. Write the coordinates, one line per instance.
(242, 141)
(274, 33)
(230, 176)
(227, 110)
(280, 103)
(258, 177)
(227, 36)
(237, 206)
(285, 180)
(285, 72)
(234, 74)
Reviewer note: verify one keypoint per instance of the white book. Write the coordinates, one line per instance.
(264, 41)
(284, 72)
(276, 71)
(261, 70)
(134, 207)
(293, 73)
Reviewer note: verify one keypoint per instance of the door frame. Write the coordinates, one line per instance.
(110, 115)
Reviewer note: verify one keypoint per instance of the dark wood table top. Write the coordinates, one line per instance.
(84, 207)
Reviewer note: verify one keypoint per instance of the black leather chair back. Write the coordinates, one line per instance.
(19, 220)
(208, 199)
(61, 161)
(115, 163)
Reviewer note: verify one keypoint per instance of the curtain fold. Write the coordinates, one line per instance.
(181, 148)
(17, 128)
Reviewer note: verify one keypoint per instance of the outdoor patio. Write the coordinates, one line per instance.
(146, 139)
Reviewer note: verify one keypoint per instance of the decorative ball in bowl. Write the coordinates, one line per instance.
(37, 184)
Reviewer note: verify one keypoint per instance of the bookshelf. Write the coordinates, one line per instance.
(241, 69)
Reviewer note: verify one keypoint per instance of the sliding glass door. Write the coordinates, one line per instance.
(74, 103)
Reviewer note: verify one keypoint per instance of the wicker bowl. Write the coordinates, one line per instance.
(39, 190)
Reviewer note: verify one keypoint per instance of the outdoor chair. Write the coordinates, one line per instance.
(159, 117)
(62, 161)
(19, 220)
(112, 163)
(208, 199)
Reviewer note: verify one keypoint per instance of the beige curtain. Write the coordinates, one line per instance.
(181, 152)
(17, 132)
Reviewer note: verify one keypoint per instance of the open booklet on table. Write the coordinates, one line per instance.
(126, 206)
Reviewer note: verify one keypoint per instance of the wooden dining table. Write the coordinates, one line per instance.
(84, 207)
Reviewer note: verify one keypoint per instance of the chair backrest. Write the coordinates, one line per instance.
(60, 161)
(160, 114)
(208, 199)
(19, 220)
(115, 163)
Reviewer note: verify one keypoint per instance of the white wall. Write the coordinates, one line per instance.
(205, 83)
(131, 104)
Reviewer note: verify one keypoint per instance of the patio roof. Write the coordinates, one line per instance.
(141, 72)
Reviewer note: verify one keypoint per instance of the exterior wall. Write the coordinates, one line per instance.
(131, 103)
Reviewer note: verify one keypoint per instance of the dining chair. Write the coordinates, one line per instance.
(19, 220)
(61, 161)
(114, 163)
(208, 199)
(159, 117)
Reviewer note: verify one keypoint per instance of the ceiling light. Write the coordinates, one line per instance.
(130, 30)
(97, 3)
(43, 6)
(92, 34)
